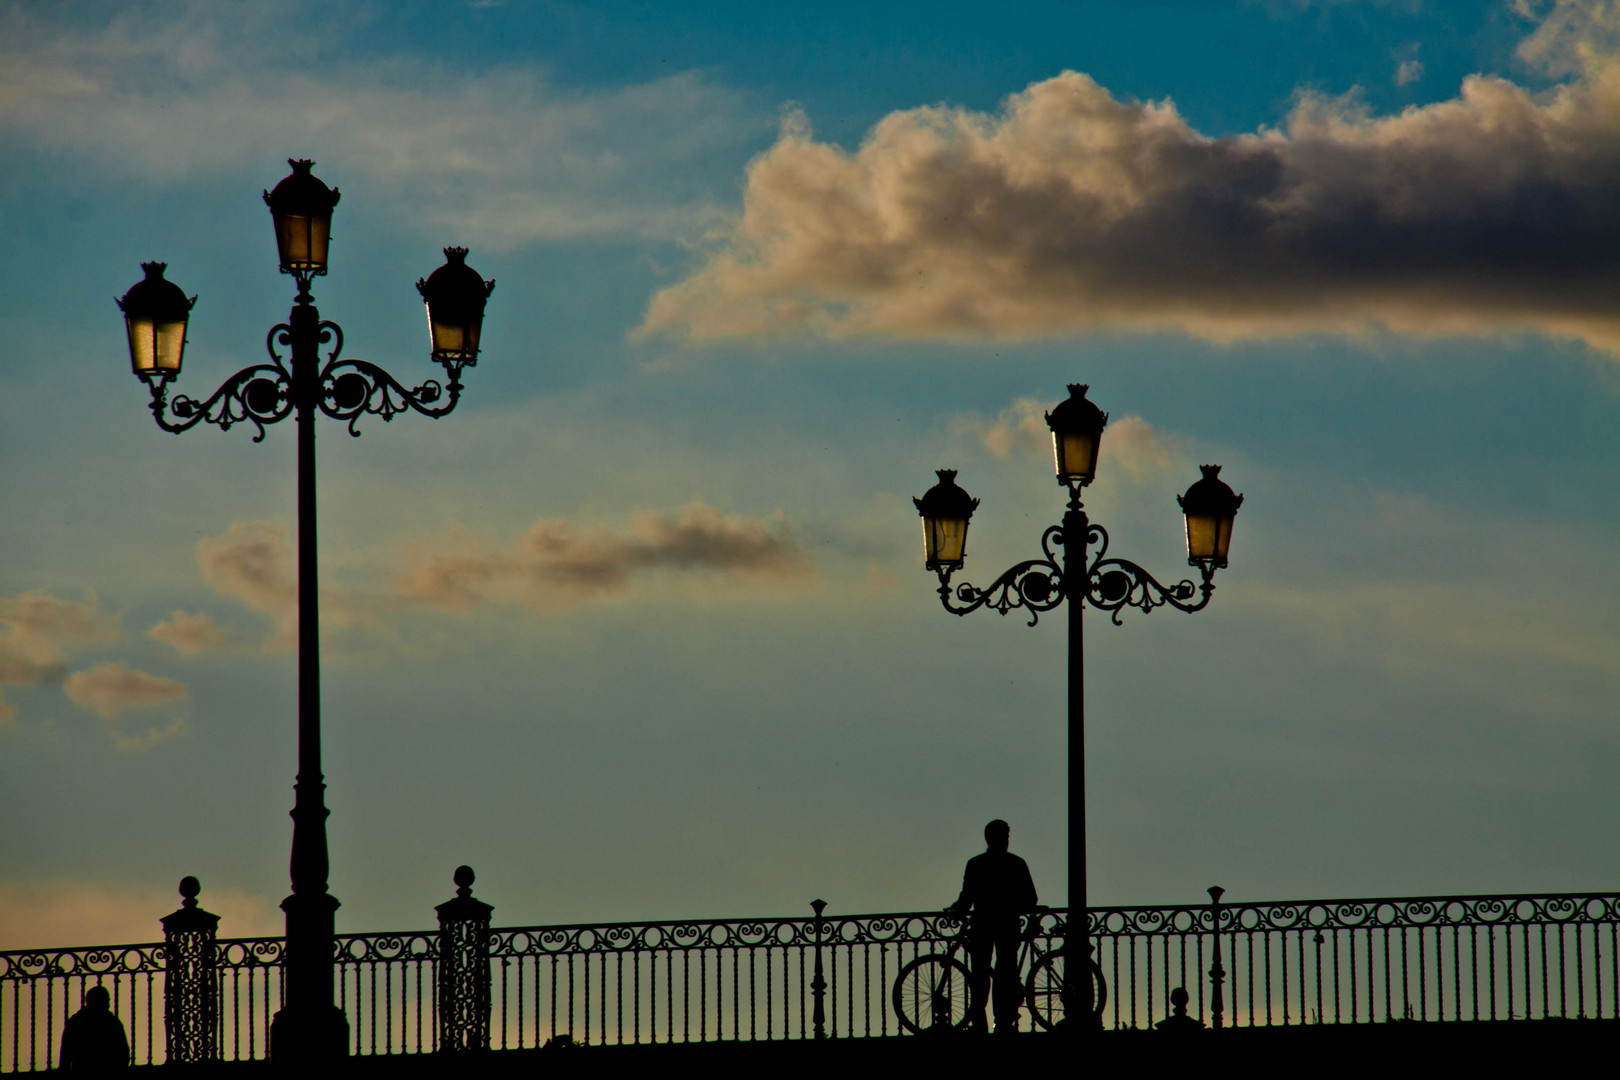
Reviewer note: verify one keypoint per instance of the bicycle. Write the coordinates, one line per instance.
(932, 993)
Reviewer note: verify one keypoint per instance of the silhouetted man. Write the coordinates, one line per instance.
(93, 1037)
(998, 889)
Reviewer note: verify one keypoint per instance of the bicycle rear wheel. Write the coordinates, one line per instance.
(931, 995)
(1043, 992)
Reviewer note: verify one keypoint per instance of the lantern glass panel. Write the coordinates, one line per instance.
(1075, 454)
(453, 339)
(1209, 537)
(945, 540)
(155, 346)
(303, 241)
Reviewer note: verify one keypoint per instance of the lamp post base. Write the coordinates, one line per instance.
(309, 1035)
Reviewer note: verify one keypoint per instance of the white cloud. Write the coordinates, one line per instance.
(492, 158)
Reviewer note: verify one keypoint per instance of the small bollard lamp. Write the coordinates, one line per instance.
(155, 314)
(945, 510)
(1075, 566)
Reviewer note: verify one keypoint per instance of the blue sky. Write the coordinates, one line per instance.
(641, 630)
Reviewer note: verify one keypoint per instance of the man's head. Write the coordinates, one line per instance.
(997, 834)
(97, 998)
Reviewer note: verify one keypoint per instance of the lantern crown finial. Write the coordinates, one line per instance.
(1077, 413)
(1210, 495)
(945, 499)
(301, 191)
(156, 298)
(455, 283)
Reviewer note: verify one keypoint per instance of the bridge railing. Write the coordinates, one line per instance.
(1279, 963)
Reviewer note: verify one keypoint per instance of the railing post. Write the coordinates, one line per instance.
(463, 969)
(1217, 974)
(818, 985)
(190, 983)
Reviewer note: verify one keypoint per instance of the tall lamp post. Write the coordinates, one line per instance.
(1111, 585)
(310, 1026)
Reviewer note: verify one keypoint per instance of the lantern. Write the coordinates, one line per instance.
(301, 206)
(1211, 507)
(945, 511)
(155, 314)
(455, 295)
(1077, 426)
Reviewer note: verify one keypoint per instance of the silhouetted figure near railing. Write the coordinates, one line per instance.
(93, 1038)
(997, 889)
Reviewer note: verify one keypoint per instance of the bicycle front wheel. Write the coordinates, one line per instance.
(931, 995)
(1044, 992)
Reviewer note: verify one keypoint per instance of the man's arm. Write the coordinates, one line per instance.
(969, 893)
(1027, 898)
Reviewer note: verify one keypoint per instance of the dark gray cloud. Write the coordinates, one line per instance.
(556, 565)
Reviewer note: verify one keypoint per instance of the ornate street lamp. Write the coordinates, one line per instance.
(310, 1027)
(1109, 584)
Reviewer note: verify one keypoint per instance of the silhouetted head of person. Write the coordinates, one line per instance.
(98, 999)
(997, 835)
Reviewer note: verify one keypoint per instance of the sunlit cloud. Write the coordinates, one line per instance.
(112, 687)
(493, 158)
(40, 631)
(254, 562)
(557, 565)
(1071, 211)
(189, 634)
(1129, 442)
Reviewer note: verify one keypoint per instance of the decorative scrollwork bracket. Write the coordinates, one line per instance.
(268, 393)
(1111, 585)
(1034, 585)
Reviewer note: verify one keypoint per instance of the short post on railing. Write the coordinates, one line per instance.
(190, 983)
(1217, 974)
(818, 985)
(463, 969)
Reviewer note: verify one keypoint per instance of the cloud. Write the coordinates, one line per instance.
(1573, 37)
(494, 158)
(1409, 71)
(1130, 442)
(253, 562)
(1071, 212)
(188, 633)
(555, 565)
(111, 688)
(39, 631)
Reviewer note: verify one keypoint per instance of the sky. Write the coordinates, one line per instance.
(641, 630)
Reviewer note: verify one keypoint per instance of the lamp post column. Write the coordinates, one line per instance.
(310, 1027)
(1077, 943)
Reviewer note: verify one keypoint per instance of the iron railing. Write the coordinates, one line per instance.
(1244, 965)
